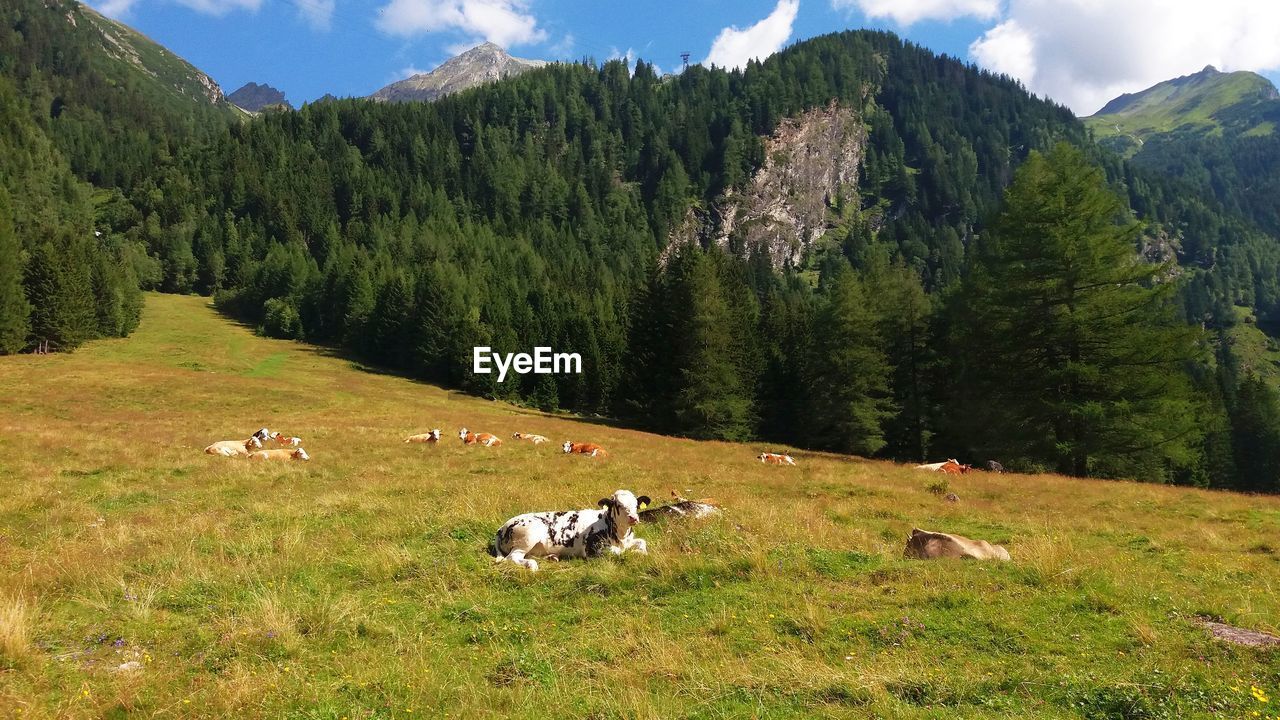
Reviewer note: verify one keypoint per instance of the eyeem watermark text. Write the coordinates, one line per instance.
(542, 362)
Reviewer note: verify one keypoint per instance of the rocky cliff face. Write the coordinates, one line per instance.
(481, 64)
(811, 165)
(254, 97)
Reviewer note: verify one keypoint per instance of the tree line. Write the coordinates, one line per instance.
(945, 314)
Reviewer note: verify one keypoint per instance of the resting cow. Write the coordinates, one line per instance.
(280, 454)
(485, 439)
(591, 449)
(769, 458)
(572, 533)
(926, 545)
(995, 467)
(535, 439)
(287, 441)
(431, 437)
(234, 448)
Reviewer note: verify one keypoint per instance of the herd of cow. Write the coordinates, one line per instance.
(608, 527)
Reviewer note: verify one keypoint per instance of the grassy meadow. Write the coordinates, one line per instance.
(140, 577)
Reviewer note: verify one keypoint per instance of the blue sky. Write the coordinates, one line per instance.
(1080, 52)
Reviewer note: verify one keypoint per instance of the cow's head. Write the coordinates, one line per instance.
(462, 434)
(300, 454)
(624, 504)
(568, 447)
(435, 434)
(253, 443)
(762, 456)
(263, 434)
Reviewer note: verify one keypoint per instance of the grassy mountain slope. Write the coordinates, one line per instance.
(358, 585)
(1207, 102)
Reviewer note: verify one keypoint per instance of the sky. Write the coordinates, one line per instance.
(1081, 53)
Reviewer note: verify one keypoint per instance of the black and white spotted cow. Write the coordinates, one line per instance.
(572, 533)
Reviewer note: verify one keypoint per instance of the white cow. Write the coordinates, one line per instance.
(431, 437)
(234, 448)
(572, 533)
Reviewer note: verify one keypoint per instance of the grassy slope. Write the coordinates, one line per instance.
(1187, 105)
(358, 585)
(1258, 352)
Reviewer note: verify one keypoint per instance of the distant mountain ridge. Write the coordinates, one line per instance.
(1207, 102)
(254, 97)
(481, 64)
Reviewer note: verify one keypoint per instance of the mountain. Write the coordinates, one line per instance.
(481, 64)
(254, 97)
(1209, 102)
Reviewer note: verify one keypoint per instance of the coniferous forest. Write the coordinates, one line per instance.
(1003, 288)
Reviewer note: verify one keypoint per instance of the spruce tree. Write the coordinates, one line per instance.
(710, 401)
(15, 311)
(848, 379)
(1069, 352)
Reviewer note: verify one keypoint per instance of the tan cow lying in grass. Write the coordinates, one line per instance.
(485, 439)
(535, 439)
(927, 545)
(431, 437)
(572, 533)
(769, 458)
(280, 454)
(590, 449)
(951, 466)
(234, 448)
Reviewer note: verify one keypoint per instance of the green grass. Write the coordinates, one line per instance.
(358, 585)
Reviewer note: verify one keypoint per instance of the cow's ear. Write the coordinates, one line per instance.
(605, 503)
(644, 501)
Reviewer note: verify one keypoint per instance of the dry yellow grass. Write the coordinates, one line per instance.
(358, 585)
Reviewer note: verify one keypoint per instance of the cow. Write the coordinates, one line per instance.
(945, 466)
(925, 545)
(485, 439)
(281, 454)
(287, 441)
(995, 467)
(572, 533)
(769, 458)
(535, 439)
(431, 437)
(591, 449)
(234, 448)
(263, 434)
(952, 468)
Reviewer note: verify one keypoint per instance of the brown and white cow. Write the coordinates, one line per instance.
(589, 449)
(280, 454)
(948, 466)
(431, 437)
(572, 533)
(535, 439)
(485, 439)
(769, 458)
(287, 441)
(926, 545)
(234, 448)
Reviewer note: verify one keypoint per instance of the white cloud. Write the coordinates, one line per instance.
(733, 48)
(317, 13)
(1082, 53)
(505, 22)
(563, 48)
(114, 8)
(909, 12)
(120, 8)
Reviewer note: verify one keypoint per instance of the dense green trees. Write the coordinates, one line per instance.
(1073, 357)
(539, 211)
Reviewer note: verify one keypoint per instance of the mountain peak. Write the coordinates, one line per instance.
(254, 97)
(484, 63)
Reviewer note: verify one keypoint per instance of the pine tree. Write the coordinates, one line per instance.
(1255, 436)
(15, 311)
(710, 401)
(1071, 356)
(60, 291)
(848, 374)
